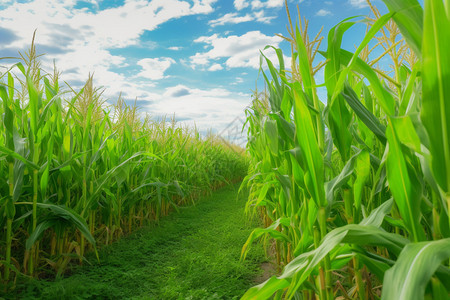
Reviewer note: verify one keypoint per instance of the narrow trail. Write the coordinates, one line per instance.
(191, 254)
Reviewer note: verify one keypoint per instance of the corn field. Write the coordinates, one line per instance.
(76, 173)
(355, 193)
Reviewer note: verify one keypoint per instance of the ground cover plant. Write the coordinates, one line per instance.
(76, 173)
(355, 193)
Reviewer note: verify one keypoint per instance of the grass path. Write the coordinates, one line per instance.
(192, 254)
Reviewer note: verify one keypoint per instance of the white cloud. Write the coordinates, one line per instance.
(238, 80)
(241, 4)
(80, 40)
(328, 2)
(154, 68)
(177, 91)
(257, 4)
(215, 92)
(201, 6)
(215, 67)
(275, 3)
(239, 51)
(234, 18)
(230, 18)
(199, 59)
(358, 3)
(260, 17)
(204, 108)
(323, 13)
(115, 27)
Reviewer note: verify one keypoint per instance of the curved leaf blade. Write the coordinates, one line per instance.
(408, 278)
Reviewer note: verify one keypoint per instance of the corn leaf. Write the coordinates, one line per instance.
(405, 186)
(408, 278)
(362, 172)
(307, 262)
(67, 214)
(364, 114)
(312, 157)
(435, 112)
(409, 19)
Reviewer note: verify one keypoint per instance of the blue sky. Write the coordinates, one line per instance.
(196, 59)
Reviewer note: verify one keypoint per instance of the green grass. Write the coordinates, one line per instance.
(191, 254)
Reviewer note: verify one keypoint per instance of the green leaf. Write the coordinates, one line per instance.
(266, 289)
(271, 230)
(383, 96)
(19, 168)
(409, 276)
(405, 186)
(376, 217)
(406, 132)
(19, 157)
(379, 23)
(36, 234)
(104, 179)
(332, 185)
(33, 105)
(375, 263)
(409, 18)
(333, 67)
(10, 87)
(8, 120)
(364, 114)
(276, 90)
(409, 102)
(308, 81)
(435, 113)
(302, 266)
(362, 172)
(339, 117)
(311, 155)
(439, 291)
(270, 128)
(70, 215)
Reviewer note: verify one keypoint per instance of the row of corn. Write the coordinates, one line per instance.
(75, 172)
(355, 193)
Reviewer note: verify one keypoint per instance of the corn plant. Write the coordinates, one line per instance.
(77, 173)
(355, 192)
